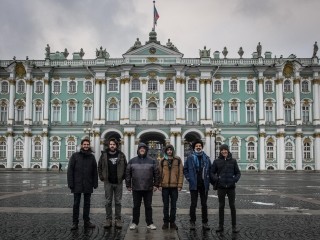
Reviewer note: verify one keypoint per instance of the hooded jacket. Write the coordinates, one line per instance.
(226, 171)
(82, 173)
(142, 172)
(171, 175)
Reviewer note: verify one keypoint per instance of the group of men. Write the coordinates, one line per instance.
(143, 175)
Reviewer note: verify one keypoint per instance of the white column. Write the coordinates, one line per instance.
(46, 102)
(103, 101)
(126, 143)
(127, 99)
(172, 139)
(11, 101)
(144, 99)
(28, 102)
(183, 99)
(10, 148)
(279, 93)
(179, 99)
(280, 151)
(208, 145)
(132, 149)
(317, 150)
(45, 149)
(316, 107)
(298, 136)
(262, 156)
(26, 148)
(209, 99)
(261, 108)
(297, 112)
(161, 103)
(97, 100)
(178, 145)
(202, 100)
(96, 146)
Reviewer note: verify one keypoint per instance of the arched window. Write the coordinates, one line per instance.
(56, 87)
(21, 87)
(39, 87)
(217, 86)
(152, 111)
(72, 112)
(4, 87)
(250, 86)
(217, 113)
(56, 112)
(270, 150)
(287, 86)
(55, 150)
(113, 85)
(88, 87)
(135, 85)
(169, 85)
(305, 86)
(20, 114)
(250, 114)
(37, 150)
(233, 86)
(113, 112)
(72, 87)
(3, 112)
(251, 151)
(306, 151)
(306, 113)
(234, 113)
(192, 85)
(235, 150)
(87, 113)
(38, 113)
(268, 86)
(19, 149)
(152, 85)
(288, 113)
(3, 149)
(169, 112)
(269, 112)
(192, 113)
(71, 148)
(289, 150)
(135, 112)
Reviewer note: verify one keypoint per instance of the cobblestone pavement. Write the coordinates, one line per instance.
(37, 205)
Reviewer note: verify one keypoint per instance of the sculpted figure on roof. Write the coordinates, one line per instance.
(204, 53)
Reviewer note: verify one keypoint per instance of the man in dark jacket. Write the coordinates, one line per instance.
(171, 181)
(112, 168)
(225, 171)
(142, 178)
(196, 170)
(82, 178)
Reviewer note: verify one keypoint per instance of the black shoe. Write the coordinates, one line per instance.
(74, 226)
(89, 225)
(235, 229)
(165, 226)
(173, 226)
(219, 229)
(192, 226)
(205, 226)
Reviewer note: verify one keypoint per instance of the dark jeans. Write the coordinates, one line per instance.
(167, 194)
(231, 193)
(76, 207)
(147, 200)
(204, 208)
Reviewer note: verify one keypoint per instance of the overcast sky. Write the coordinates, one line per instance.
(282, 26)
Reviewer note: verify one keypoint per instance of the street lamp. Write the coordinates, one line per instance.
(89, 131)
(215, 132)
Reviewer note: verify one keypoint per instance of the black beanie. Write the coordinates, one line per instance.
(224, 147)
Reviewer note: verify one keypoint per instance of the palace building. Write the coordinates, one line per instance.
(267, 109)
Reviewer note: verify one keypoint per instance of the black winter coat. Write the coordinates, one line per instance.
(82, 172)
(225, 171)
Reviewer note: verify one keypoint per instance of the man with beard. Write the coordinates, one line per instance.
(112, 167)
(142, 178)
(225, 171)
(196, 170)
(82, 178)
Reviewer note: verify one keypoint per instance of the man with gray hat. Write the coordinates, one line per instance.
(142, 178)
(225, 172)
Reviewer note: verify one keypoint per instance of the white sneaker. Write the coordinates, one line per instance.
(133, 226)
(152, 227)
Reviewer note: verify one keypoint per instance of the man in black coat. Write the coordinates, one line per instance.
(225, 171)
(82, 178)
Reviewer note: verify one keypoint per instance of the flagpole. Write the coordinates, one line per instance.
(154, 22)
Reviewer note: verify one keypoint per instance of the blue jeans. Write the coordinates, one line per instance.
(110, 191)
(167, 194)
(76, 207)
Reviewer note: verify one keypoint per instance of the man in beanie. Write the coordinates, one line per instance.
(197, 172)
(112, 169)
(225, 171)
(171, 181)
(142, 178)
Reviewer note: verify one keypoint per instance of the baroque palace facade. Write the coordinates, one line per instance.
(267, 109)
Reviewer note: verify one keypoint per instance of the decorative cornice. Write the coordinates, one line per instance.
(262, 135)
(144, 81)
(9, 134)
(316, 135)
(152, 74)
(27, 134)
(136, 75)
(280, 134)
(296, 135)
(161, 81)
(44, 134)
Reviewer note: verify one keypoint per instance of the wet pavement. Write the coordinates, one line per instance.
(37, 205)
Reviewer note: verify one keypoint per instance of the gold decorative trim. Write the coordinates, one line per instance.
(296, 80)
(152, 59)
(169, 76)
(202, 81)
(234, 77)
(298, 135)
(260, 81)
(316, 81)
(72, 78)
(316, 135)
(218, 76)
(152, 74)
(144, 81)
(161, 81)
(250, 76)
(136, 75)
(20, 70)
(44, 134)
(29, 81)
(281, 134)
(9, 134)
(279, 81)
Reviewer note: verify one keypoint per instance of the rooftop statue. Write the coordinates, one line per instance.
(315, 50)
(102, 53)
(137, 43)
(259, 49)
(47, 51)
(240, 52)
(225, 52)
(65, 53)
(171, 46)
(81, 53)
(204, 53)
